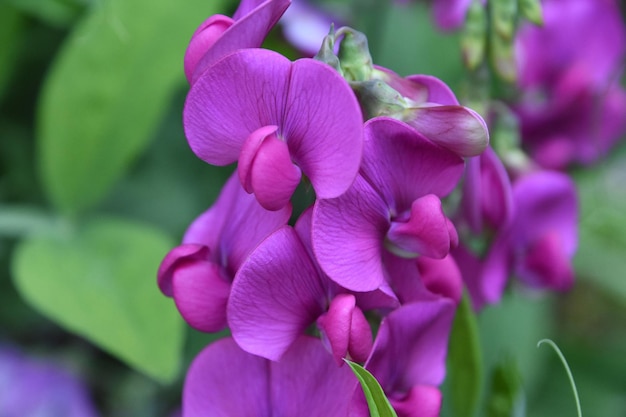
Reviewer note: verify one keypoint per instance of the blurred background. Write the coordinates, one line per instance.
(97, 183)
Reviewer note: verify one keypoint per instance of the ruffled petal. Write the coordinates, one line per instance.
(276, 295)
(225, 381)
(201, 291)
(425, 232)
(242, 93)
(323, 127)
(251, 26)
(402, 165)
(348, 234)
(456, 128)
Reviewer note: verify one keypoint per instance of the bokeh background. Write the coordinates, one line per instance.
(97, 183)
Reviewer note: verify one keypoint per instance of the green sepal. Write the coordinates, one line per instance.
(377, 401)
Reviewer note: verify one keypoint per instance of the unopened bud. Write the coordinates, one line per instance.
(377, 98)
(354, 55)
(474, 35)
(326, 53)
(531, 10)
(503, 57)
(503, 17)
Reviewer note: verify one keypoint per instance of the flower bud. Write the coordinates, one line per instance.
(354, 55)
(377, 98)
(503, 16)
(474, 35)
(326, 54)
(531, 10)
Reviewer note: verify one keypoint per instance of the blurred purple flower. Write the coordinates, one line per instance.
(573, 106)
(394, 205)
(34, 388)
(305, 26)
(536, 246)
(280, 120)
(220, 35)
(198, 274)
(225, 381)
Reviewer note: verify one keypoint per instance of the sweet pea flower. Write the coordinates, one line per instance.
(280, 291)
(394, 205)
(225, 381)
(280, 119)
(536, 246)
(573, 105)
(35, 388)
(409, 357)
(220, 35)
(198, 274)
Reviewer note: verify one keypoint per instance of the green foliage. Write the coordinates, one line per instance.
(107, 90)
(11, 24)
(98, 280)
(60, 13)
(377, 402)
(465, 367)
(506, 398)
(602, 240)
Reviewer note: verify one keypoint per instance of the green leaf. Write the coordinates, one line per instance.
(465, 368)
(11, 24)
(60, 13)
(377, 402)
(106, 93)
(99, 281)
(602, 241)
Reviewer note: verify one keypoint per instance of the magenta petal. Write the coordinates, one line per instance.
(457, 128)
(324, 127)
(237, 97)
(411, 346)
(450, 14)
(421, 401)
(248, 31)
(403, 165)
(441, 276)
(346, 329)
(275, 296)
(274, 177)
(203, 39)
(175, 258)
(424, 233)
(546, 265)
(225, 381)
(201, 292)
(348, 234)
(438, 91)
(248, 153)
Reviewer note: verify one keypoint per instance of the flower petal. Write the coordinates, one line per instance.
(348, 234)
(457, 128)
(276, 295)
(242, 93)
(203, 39)
(249, 30)
(323, 127)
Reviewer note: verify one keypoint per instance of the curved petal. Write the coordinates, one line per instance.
(450, 14)
(348, 234)
(225, 381)
(242, 93)
(323, 127)
(425, 232)
(402, 165)
(234, 225)
(441, 276)
(411, 346)
(176, 258)
(438, 91)
(457, 128)
(421, 401)
(200, 292)
(249, 30)
(276, 295)
(203, 39)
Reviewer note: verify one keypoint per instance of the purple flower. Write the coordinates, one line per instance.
(573, 106)
(536, 246)
(220, 35)
(198, 274)
(409, 357)
(225, 381)
(305, 26)
(280, 291)
(33, 388)
(280, 120)
(394, 205)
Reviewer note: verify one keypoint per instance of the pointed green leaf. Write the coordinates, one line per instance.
(465, 367)
(106, 93)
(377, 402)
(99, 281)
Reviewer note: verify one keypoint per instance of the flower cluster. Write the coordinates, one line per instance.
(373, 269)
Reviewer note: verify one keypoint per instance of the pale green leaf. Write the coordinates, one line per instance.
(99, 281)
(377, 402)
